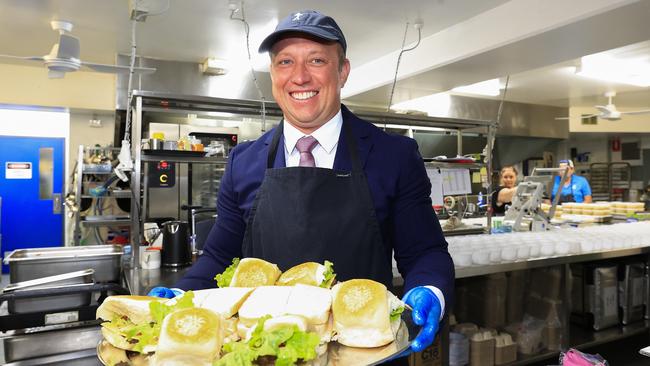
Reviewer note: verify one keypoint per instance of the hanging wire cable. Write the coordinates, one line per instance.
(233, 11)
(503, 99)
(127, 127)
(399, 59)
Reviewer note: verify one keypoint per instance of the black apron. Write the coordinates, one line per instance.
(303, 214)
(567, 197)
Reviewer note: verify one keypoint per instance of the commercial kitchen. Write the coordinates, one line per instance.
(532, 119)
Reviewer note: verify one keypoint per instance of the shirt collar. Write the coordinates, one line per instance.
(327, 134)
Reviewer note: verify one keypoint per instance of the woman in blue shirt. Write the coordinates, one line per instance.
(575, 189)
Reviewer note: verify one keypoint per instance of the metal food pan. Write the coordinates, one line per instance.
(29, 264)
(35, 345)
(53, 302)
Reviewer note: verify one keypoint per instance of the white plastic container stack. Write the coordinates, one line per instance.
(479, 250)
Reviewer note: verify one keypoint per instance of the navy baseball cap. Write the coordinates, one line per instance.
(309, 22)
(568, 162)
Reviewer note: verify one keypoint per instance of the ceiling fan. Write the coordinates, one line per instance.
(64, 56)
(609, 111)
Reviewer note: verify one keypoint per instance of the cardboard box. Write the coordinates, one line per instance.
(430, 356)
(515, 296)
(547, 282)
(487, 301)
(481, 350)
(505, 350)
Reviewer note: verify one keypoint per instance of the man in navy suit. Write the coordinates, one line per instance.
(326, 185)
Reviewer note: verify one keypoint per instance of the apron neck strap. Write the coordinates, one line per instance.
(345, 130)
(273, 150)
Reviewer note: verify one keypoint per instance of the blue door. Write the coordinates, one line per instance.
(31, 188)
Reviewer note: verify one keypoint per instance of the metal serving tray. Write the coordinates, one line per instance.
(29, 264)
(338, 354)
(54, 302)
(35, 345)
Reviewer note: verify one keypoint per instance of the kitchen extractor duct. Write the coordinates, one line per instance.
(508, 150)
(517, 119)
(186, 78)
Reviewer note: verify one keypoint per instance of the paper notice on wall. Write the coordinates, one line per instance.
(456, 181)
(435, 176)
(18, 170)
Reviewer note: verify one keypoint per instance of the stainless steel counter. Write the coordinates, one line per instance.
(463, 272)
(140, 281)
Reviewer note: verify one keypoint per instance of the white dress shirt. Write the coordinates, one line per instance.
(327, 136)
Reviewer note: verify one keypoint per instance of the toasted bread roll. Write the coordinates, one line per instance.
(361, 313)
(254, 272)
(189, 336)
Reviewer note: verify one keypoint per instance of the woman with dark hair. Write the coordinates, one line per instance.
(502, 196)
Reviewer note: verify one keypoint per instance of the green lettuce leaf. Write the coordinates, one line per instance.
(329, 275)
(301, 346)
(224, 279)
(396, 313)
(288, 344)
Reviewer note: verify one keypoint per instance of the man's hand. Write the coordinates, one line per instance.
(165, 292)
(426, 313)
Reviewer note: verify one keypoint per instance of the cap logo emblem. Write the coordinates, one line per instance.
(296, 17)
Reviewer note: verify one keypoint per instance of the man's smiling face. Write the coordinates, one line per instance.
(307, 81)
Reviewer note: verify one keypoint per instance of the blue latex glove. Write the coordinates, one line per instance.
(165, 292)
(426, 313)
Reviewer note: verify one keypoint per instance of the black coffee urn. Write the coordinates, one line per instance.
(176, 251)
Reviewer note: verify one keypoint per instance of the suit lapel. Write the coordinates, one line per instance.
(279, 161)
(361, 133)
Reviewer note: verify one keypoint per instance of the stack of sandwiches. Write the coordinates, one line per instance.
(257, 302)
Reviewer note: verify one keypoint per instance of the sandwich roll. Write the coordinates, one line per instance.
(309, 273)
(189, 337)
(361, 313)
(254, 272)
(122, 313)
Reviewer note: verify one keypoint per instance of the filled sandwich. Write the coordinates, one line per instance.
(309, 273)
(248, 272)
(133, 323)
(365, 313)
(189, 337)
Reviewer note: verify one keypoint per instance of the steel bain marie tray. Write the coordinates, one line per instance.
(337, 354)
(50, 302)
(29, 264)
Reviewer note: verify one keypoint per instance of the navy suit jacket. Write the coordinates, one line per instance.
(399, 187)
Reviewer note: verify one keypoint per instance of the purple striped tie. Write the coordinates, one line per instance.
(305, 145)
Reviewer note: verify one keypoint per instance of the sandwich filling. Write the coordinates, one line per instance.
(287, 344)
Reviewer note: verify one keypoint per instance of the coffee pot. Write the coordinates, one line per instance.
(176, 251)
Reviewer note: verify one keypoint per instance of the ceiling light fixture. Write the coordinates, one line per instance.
(214, 66)
(607, 68)
(490, 88)
(433, 105)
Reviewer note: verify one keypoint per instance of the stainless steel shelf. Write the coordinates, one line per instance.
(113, 194)
(187, 159)
(584, 338)
(451, 165)
(526, 360)
(90, 172)
(464, 272)
(95, 221)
